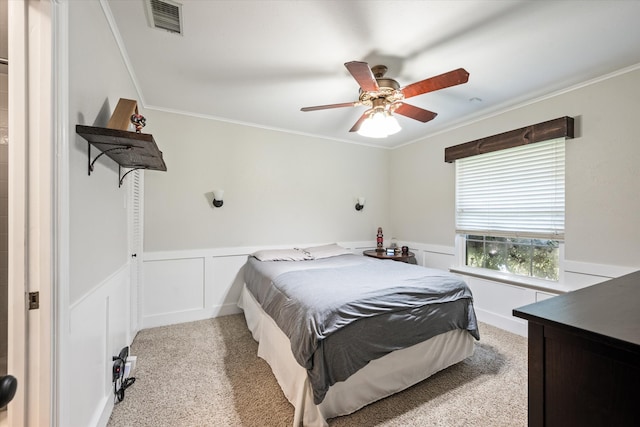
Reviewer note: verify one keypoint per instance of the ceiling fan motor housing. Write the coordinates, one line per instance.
(388, 83)
(388, 90)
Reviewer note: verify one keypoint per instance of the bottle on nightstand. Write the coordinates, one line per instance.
(379, 241)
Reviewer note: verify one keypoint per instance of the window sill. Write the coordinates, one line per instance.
(510, 279)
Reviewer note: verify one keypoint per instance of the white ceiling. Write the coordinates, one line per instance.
(257, 62)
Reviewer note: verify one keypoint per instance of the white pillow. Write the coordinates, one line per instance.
(283, 255)
(326, 251)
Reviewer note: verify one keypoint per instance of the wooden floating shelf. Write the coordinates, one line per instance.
(128, 149)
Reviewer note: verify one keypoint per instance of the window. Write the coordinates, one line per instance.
(524, 257)
(510, 209)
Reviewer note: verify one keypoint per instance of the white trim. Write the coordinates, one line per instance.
(572, 275)
(511, 324)
(102, 419)
(16, 355)
(30, 332)
(243, 250)
(60, 226)
(511, 279)
(40, 210)
(436, 249)
(123, 52)
(98, 287)
(506, 106)
(600, 270)
(189, 315)
(135, 222)
(258, 126)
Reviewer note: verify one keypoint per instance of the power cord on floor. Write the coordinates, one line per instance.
(119, 393)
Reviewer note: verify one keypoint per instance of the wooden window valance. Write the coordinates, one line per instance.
(557, 128)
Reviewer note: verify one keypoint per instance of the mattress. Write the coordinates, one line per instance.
(340, 313)
(354, 320)
(380, 378)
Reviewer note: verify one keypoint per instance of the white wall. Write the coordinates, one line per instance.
(284, 190)
(279, 188)
(97, 79)
(602, 178)
(602, 197)
(98, 309)
(265, 207)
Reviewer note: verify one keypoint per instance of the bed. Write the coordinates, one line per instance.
(341, 331)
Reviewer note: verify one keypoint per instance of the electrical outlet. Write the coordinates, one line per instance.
(118, 366)
(129, 366)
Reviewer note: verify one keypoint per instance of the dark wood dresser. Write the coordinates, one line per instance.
(584, 356)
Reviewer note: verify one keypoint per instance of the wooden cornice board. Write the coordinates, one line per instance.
(557, 128)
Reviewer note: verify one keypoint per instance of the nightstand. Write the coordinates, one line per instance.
(409, 258)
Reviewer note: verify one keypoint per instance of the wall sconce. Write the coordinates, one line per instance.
(217, 198)
(360, 203)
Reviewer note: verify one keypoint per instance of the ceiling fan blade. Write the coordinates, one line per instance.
(415, 113)
(357, 125)
(431, 84)
(363, 75)
(326, 107)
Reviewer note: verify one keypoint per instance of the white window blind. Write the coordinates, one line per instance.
(517, 192)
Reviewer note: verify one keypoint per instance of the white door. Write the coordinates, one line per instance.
(30, 211)
(136, 215)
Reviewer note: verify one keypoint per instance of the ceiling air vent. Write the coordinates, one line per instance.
(165, 14)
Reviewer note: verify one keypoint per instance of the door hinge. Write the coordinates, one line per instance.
(34, 300)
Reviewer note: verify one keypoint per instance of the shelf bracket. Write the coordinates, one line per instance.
(125, 174)
(91, 163)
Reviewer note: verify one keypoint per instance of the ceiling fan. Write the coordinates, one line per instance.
(384, 96)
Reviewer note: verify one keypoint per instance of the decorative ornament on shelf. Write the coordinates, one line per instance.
(379, 241)
(139, 121)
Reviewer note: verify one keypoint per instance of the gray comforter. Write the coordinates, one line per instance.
(342, 312)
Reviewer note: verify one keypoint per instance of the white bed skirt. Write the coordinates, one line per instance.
(380, 378)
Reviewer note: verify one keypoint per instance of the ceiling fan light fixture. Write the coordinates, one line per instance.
(379, 124)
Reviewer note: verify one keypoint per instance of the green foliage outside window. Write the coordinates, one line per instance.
(525, 257)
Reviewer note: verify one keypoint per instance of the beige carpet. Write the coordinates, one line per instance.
(207, 373)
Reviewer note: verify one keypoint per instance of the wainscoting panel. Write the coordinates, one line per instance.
(184, 286)
(494, 302)
(99, 326)
(224, 284)
(173, 285)
(189, 286)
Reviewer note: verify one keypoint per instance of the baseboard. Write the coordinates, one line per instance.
(512, 324)
(189, 316)
(105, 414)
